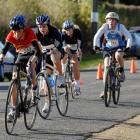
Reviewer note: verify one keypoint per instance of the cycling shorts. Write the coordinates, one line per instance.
(106, 53)
(23, 60)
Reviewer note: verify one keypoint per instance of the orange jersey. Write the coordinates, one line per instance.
(24, 43)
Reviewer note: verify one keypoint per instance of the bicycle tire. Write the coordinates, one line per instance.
(9, 129)
(62, 99)
(73, 94)
(30, 109)
(69, 81)
(107, 88)
(116, 94)
(43, 82)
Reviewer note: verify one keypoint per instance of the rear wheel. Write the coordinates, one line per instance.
(45, 96)
(30, 108)
(61, 95)
(107, 88)
(13, 91)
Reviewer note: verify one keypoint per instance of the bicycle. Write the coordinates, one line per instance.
(53, 93)
(69, 76)
(23, 95)
(112, 84)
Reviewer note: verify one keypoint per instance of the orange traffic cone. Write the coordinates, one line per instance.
(99, 72)
(133, 68)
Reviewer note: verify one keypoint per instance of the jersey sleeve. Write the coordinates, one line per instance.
(127, 35)
(98, 35)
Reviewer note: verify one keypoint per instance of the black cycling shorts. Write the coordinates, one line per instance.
(106, 53)
(23, 60)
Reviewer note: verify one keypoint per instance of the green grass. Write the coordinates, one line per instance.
(90, 60)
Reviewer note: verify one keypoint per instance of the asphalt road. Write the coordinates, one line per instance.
(86, 114)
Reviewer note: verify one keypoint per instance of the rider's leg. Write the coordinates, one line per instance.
(106, 65)
(56, 59)
(14, 76)
(31, 69)
(76, 71)
(64, 61)
(119, 57)
(31, 65)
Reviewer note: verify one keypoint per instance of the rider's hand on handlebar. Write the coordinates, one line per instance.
(97, 49)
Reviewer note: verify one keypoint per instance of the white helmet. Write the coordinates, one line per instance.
(112, 15)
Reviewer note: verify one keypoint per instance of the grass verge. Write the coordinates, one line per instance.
(90, 60)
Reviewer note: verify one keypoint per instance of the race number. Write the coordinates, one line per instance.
(113, 43)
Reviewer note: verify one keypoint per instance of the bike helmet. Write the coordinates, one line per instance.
(67, 24)
(43, 19)
(17, 22)
(112, 15)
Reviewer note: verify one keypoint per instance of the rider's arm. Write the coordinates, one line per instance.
(98, 35)
(58, 40)
(127, 35)
(79, 39)
(7, 46)
(37, 48)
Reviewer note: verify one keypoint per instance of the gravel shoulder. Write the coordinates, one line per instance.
(128, 130)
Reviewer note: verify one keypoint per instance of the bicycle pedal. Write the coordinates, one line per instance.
(37, 97)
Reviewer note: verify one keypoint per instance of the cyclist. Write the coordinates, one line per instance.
(50, 38)
(25, 42)
(115, 35)
(72, 42)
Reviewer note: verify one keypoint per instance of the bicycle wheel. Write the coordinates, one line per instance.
(30, 108)
(69, 81)
(13, 90)
(45, 96)
(107, 88)
(116, 92)
(61, 95)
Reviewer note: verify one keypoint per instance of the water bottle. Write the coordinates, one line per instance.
(51, 81)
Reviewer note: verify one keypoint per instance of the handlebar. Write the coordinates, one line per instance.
(110, 50)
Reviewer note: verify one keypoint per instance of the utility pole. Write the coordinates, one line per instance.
(94, 17)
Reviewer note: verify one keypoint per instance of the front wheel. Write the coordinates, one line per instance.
(45, 96)
(116, 93)
(69, 81)
(107, 88)
(61, 95)
(11, 121)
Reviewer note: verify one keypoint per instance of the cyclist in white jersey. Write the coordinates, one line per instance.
(115, 36)
(72, 42)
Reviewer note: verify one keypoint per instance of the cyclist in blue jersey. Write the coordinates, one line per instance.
(72, 41)
(115, 36)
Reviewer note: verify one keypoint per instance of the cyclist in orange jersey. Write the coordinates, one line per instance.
(25, 42)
